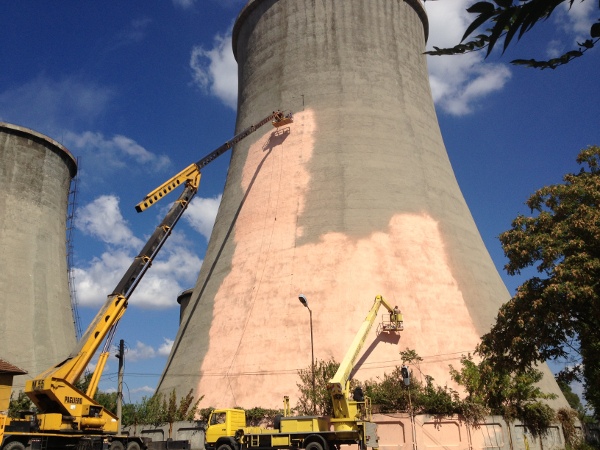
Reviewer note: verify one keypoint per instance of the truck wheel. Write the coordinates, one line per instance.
(14, 445)
(133, 446)
(314, 446)
(116, 445)
(224, 447)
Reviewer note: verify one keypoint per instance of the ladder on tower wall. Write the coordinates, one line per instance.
(71, 209)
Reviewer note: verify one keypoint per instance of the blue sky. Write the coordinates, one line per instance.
(138, 90)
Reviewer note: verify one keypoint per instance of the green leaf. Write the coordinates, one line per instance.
(573, 54)
(481, 8)
(480, 20)
(501, 22)
(523, 62)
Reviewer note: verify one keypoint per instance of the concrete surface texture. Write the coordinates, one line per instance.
(356, 198)
(36, 323)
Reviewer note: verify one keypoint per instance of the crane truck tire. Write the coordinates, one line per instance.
(226, 446)
(116, 445)
(133, 446)
(314, 446)
(315, 442)
(14, 445)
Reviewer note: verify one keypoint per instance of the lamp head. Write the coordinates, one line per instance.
(303, 300)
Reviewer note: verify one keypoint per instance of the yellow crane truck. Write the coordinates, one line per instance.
(67, 418)
(351, 422)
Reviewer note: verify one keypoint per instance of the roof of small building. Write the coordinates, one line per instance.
(6, 367)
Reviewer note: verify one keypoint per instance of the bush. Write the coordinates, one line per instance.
(258, 416)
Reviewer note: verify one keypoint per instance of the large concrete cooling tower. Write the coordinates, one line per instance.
(36, 322)
(356, 198)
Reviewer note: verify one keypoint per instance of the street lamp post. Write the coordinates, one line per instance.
(303, 300)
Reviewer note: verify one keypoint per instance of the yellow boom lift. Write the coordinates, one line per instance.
(351, 423)
(67, 417)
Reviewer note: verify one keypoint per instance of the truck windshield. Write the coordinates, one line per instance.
(217, 418)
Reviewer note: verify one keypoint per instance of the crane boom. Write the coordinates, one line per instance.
(338, 384)
(62, 406)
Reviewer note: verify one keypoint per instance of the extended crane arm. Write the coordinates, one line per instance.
(337, 384)
(53, 391)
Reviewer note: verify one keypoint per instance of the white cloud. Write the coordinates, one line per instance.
(102, 219)
(459, 83)
(578, 18)
(141, 351)
(159, 287)
(165, 348)
(118, 152)
(555, 48)
(462, 95)
(174, 270)
(167, 278)
(215, 70)
(143, 390)
(96, 280)
(50, 106)
(201, 214)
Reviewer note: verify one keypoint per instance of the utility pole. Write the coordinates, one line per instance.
(121, 357)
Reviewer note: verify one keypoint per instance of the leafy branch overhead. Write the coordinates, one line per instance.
(506, 19)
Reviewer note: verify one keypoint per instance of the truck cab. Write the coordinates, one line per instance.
(222, 425)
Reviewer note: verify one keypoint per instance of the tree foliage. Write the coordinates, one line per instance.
(161, 409)
(320, 399)
(165, 409)
(19, 404)
(556, 314)
(512, 395)
(572, 398)
(507, 19)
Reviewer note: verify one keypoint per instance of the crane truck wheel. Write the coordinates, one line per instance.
(314, 446)
(14, 445)
(133, 446)
(116, 445)
(224, 447)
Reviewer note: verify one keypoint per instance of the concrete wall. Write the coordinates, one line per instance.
(401, 432)
(36, 323)
(356, 198)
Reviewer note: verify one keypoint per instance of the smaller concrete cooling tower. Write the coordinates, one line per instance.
(36, 323)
